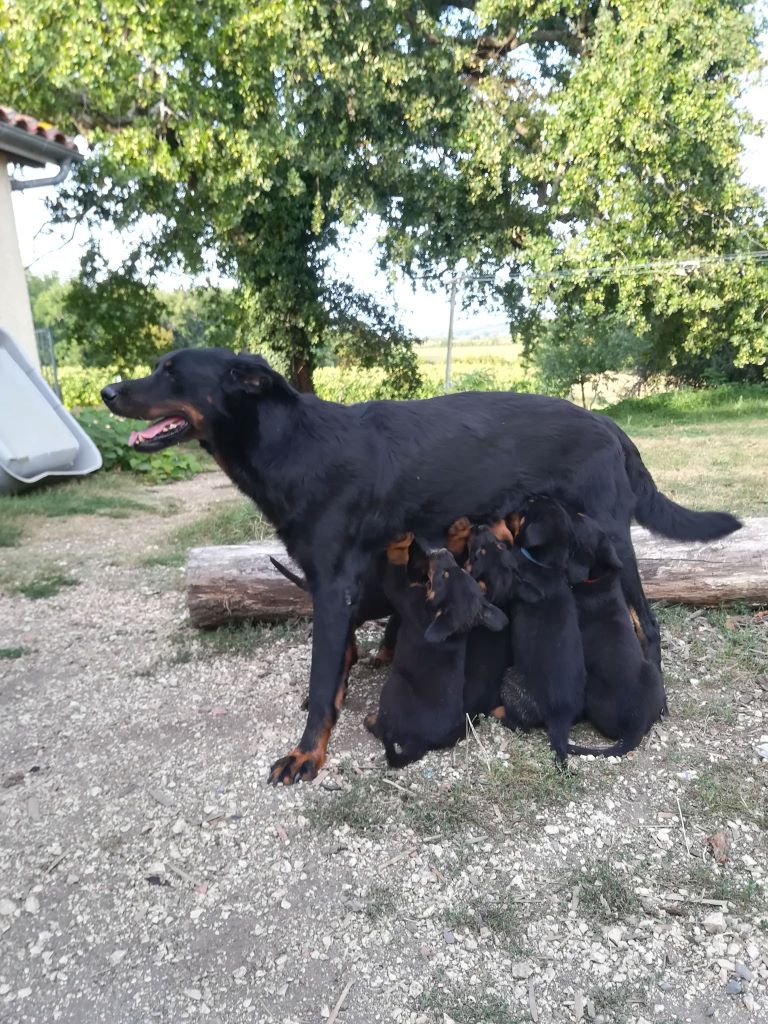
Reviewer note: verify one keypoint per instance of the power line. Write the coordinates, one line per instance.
(686, 265)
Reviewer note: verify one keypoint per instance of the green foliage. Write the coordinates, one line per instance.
(11, 653)
(110, 435)
(583, 352)
(542, 139)
(115, 317)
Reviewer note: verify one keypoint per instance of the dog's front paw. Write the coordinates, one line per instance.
(298, 766)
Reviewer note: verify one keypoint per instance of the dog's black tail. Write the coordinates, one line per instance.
(660, 514)
(289, 574)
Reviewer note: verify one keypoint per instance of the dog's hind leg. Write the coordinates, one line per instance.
(386, 649)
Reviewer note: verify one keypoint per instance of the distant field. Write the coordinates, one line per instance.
(471, 352)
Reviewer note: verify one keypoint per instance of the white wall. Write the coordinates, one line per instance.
(15, 311)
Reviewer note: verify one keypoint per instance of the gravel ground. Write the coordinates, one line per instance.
(148, 873)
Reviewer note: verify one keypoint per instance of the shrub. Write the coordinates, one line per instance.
(110, 435)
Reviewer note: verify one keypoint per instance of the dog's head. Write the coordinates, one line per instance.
(457, 600)
(490, 562)
(592, 555)
(188, 391)
(541, 549)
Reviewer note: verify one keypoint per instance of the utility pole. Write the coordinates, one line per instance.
(449, 348)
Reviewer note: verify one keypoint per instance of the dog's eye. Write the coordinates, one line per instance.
(446, 575)
(482, 551)
(500, 547)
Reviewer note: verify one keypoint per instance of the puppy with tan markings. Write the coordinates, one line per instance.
(421, 706)
(625, 690)
(546, 685)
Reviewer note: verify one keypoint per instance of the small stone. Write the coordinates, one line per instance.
(688, 775)
(117, 956)
(238, 973)
(193, 993)
(448, 937)
(24, 992)
(743, 971)
(161, 797)
(178, 826)
(32, 905)
(521, 970)
(7, 907)
(749, 1002)
(714, 923)
(762, 751)
(733, 987)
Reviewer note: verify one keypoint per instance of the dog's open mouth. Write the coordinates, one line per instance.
(167, 431)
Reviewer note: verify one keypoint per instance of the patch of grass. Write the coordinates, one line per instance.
(10, 653)
(362, 806)
(605, 892)
(487, 1007)
(46, 584)
(619, 1003)
(380, 901)
(501, 914)
(81, 498)
(693, 405)
(529, 783)
(166, 560)
(231, 522)
(233, 639)
(10, 533)
(730, 789)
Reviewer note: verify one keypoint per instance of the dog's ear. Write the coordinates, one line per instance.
(441, 627)
(493, 618)
(253, 376)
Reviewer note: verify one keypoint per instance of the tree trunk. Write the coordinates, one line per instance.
(302, 363)
(240, 582)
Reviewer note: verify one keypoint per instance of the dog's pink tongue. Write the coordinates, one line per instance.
(154, 429)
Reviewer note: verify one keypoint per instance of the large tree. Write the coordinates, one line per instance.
(535, 138)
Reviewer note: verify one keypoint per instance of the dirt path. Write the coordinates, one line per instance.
(147, 873)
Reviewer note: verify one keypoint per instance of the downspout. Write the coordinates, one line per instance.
(21, 184)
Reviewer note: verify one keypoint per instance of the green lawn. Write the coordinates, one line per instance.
(707, 449)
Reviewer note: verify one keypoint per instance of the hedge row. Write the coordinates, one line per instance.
(80, 387)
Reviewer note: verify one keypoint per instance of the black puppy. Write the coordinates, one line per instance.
(547, 683)
(625, 691)
(421, 706)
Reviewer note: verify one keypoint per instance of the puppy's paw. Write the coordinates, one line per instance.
(458, 535)
(397, 550)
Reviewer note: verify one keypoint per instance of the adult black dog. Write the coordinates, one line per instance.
(338, 482)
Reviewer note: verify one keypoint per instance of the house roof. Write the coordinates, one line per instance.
(26, 139)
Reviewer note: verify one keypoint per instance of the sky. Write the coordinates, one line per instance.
(47, 249)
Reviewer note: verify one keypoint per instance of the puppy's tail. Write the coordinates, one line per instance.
(300, 582)
(660, 514)
(618, 749)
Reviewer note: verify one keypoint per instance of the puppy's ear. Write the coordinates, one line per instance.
(535, 535)
(493, 618)
(440, 628)
(579, 565)
(251, 375)
(606, 554)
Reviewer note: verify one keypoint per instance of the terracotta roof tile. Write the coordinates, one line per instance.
(34, 127)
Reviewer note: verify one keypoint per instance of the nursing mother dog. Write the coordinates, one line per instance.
(340, 482)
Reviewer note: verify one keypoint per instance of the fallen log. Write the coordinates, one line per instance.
(239, 581)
